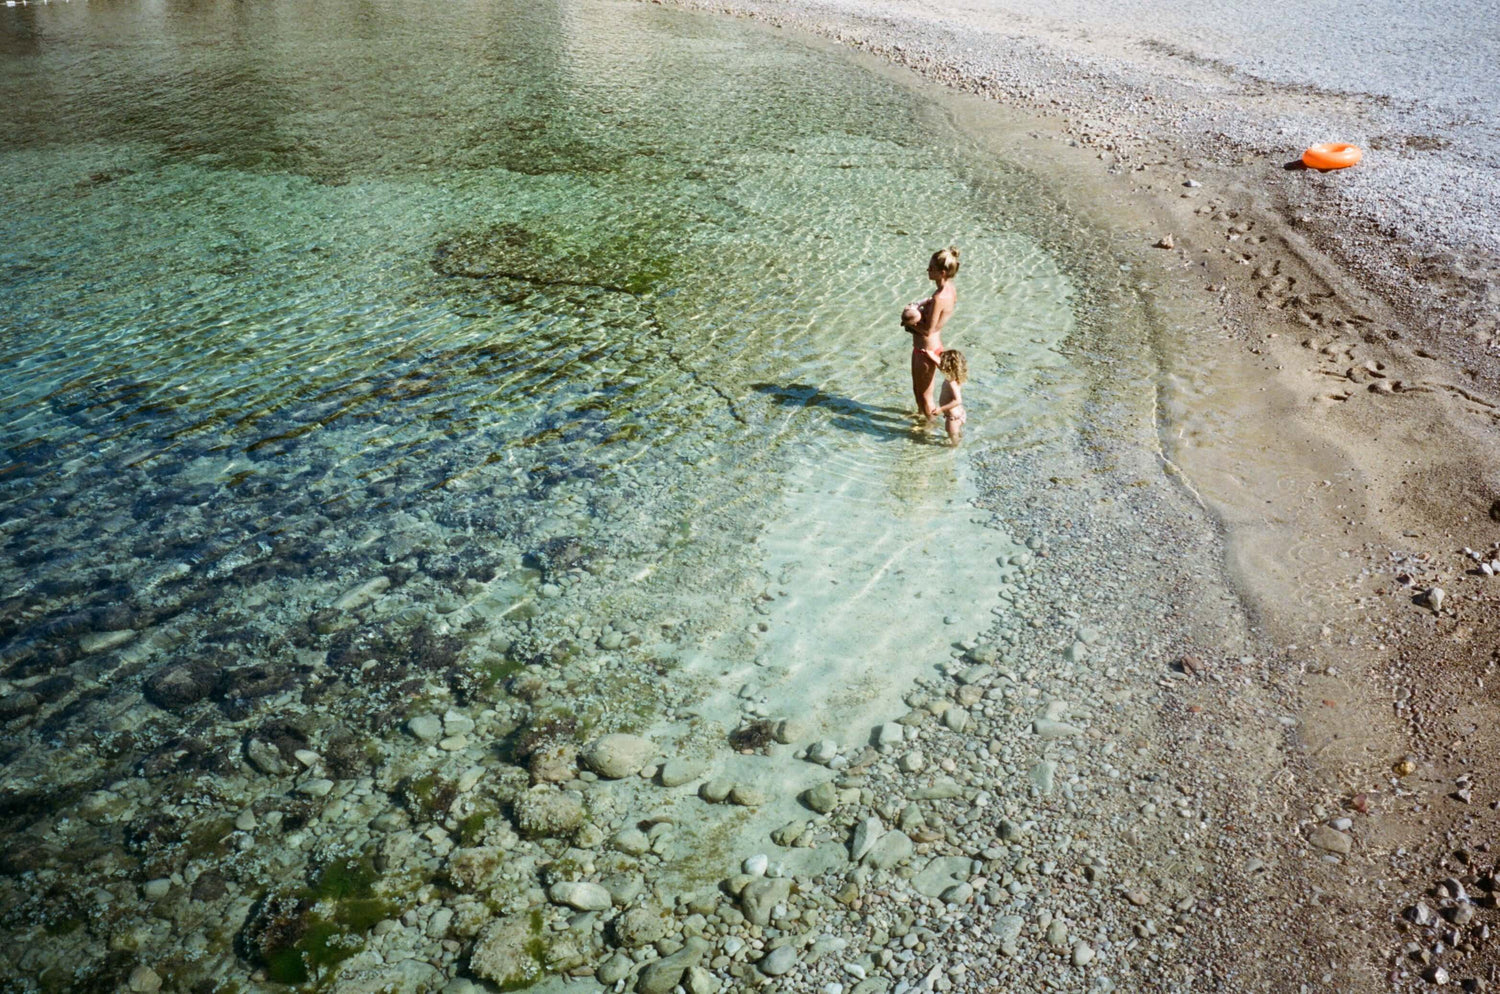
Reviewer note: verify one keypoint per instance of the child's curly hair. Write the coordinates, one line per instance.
(954, 366)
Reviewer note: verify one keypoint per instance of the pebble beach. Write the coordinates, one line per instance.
(1173, 682)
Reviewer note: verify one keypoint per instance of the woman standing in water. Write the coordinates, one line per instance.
(926, 326)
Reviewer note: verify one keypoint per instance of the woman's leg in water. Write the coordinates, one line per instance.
(923, 374)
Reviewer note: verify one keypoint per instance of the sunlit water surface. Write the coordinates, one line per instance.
(566, 325)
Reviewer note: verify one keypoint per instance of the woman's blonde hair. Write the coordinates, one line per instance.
(954, 366)
(946, 260)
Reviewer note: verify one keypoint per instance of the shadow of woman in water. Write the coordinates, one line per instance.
(849, 414)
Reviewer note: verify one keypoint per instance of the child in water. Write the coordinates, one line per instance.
(955, 370)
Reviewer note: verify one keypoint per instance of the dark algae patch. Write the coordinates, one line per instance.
(300, 936)
(633, 264)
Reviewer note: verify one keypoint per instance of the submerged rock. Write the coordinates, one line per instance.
(676, 772)
(548, 813)
(666, 973)
(580, 896)
(779, 961)
(178, 686)
(941, 874)
(619, 755)
(761, 895)
(507, 952)
(640, 926)
(890, 849)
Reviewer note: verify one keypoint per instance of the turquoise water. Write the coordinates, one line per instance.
(572, 328)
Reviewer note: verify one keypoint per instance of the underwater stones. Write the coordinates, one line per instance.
(866, 834)
(457, 723)
(822, 798)
(103, 641)
(580, 896)
(264, 757)
(144, 980)
(155, 890)
(618, 755)
(358, 597)
(640, 926)
(21, 857)
(475, 868)
(505, 952)
(175, 687)
(614, 969)
(761, 895)
(209, 887)
(1011, 831)
(941, 874)
(631, 841)
(700, 981)
(244, 684)
(317, 787)
(942, 789)
(1049, 729)
(101, 806)
(666, 973)
(547, 813)
(975, 674)
(1007, 930)
(716, 791)
(788, 834)
(746, 796)
(553, 762)
(425, 727)
(588, 836)
(623, 887)
(890, 849)
(53, 688)
(779, 960)
(676, 772)
(789, 730)
(822, 752)
(18, 705)
(912, 762)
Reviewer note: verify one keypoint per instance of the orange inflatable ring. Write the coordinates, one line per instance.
(1332, 155)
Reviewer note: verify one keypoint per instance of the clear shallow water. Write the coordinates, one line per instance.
(570, 328)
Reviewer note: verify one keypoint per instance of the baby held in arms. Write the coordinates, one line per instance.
(911, 316)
